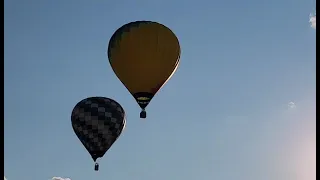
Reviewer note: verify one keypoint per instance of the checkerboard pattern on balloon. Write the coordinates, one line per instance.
(98, 122)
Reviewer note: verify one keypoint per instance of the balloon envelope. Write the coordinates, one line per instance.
(144, 55)
(98, 122)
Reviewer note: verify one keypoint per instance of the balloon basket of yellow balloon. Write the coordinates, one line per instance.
(143, 114)
(96, 167)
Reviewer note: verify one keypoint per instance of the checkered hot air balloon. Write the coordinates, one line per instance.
(98, 122)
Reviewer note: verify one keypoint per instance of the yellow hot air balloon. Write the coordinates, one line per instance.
(144, 55)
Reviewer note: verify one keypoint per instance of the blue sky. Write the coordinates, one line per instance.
(224, 115)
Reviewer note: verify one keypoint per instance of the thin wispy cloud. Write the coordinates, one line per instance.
(5, 178)
(60, 178)
(312, 20)
(291, 105)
